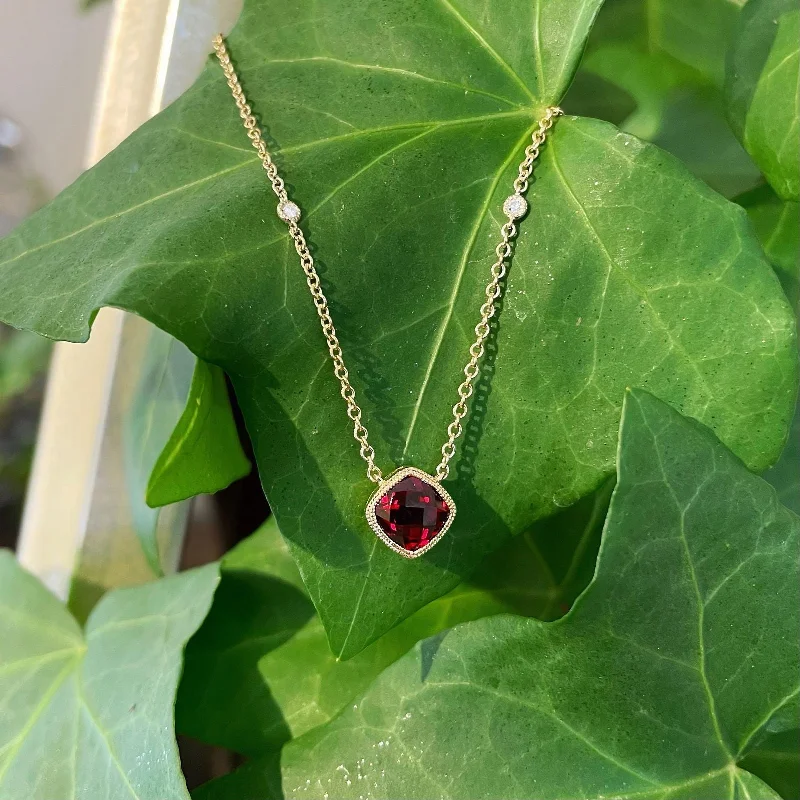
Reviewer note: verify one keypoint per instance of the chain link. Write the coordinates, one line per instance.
(493, 289)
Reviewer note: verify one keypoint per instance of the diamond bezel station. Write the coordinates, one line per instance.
(515, 206)
(289, 211)
(386, 486)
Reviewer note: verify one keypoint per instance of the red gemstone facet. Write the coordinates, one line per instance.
(412, 513)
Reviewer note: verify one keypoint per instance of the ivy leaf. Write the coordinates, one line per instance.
(785, 474)
(776, 760)
(680, 655)
(696, 32)
(762, 86)
(668, 57)
(399, 127)
(650, 78)
(775, 222)
(180, 436)
(23, 358)
(263, 651)
(91, 715)
(203, 453)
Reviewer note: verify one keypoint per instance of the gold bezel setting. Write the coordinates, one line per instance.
(392, 480)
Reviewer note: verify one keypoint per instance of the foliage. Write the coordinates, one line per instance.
(203, 453)
(669, 58)
(180, 436)
(23, 360)
(90, 715)
(245, 660)
(666, 289)
(23, 357)
(329, 663)
(585, 707)
(762, 90)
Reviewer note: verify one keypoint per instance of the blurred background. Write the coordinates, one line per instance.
(53, 55)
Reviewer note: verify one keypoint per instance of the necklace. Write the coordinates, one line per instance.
(410, 510)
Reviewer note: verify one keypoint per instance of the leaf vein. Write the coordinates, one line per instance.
(488, 48)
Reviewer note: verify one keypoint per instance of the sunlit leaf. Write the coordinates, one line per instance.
(762, 89)
(90, 716)
(263, 651)
(203, 453)
(672, 665)
(180, 436)
(399, 127)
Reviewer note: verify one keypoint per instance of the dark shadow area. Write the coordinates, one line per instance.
(202, 762)
(541, 572)
(427, 652)
(258, 779)
(589, 95)
(23, 367)
(242, 505)
(276, 442)
(252, 615)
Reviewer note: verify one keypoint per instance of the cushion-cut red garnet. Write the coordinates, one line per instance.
(412, 513)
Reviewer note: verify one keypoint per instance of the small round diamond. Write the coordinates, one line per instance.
(289, 211)
(515, 206)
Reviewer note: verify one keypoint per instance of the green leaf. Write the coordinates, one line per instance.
(677, 107)
(401, 150)
(696, 32)
(180, 436)
(23, 358)
(775, 222)
(671, 665)
(23, 362)
(695, 130)
(776, 760)
(784, 475)
(263, 651)
(203, 453)
(91, 716)
(650, 78)
(762, 88)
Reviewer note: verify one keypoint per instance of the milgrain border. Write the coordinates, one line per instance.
(385, 485)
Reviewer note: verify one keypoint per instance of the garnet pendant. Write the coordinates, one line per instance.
(410, 511)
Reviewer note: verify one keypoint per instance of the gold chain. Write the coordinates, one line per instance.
(514, 208)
